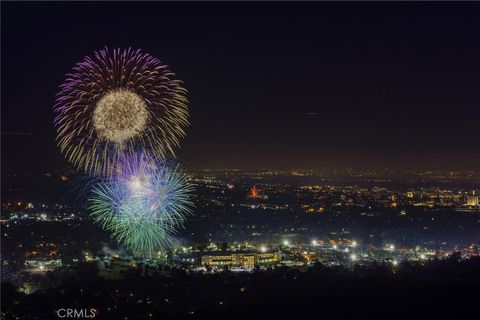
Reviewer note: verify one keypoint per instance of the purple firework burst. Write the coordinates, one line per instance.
(117, 103)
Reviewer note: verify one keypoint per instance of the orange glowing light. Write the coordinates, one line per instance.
(254, 193)
(31, 253)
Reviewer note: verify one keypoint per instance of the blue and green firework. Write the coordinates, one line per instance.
(143, 205)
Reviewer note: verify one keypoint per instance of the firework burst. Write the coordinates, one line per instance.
(143, 206)
(116, 104)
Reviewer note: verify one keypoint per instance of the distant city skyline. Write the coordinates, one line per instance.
(313, 86)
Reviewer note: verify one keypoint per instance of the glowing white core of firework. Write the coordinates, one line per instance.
(135, 184)
(139, 186)
(120, 115)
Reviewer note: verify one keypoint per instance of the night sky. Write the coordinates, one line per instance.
(272, 85)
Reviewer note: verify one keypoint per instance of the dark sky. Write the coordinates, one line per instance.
(281, 85)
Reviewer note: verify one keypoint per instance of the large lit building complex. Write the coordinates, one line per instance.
(242, 260)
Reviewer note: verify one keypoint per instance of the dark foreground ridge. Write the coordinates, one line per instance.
(427, 290)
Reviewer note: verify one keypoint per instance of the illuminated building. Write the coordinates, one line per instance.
(42, 265)
(472, 200)
(309, 257)
(243, 260)
(268, 257)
